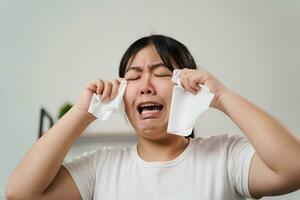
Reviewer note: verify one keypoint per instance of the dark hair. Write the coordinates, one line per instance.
(169, 50)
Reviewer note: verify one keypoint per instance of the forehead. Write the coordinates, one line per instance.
(146, 56)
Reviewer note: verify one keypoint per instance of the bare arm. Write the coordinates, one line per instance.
(40, 174)
(43, 161)
(275, 168)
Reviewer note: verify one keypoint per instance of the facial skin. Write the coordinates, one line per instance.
(149, 80)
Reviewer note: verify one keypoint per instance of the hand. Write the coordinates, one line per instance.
(191, 78)
(107, 89)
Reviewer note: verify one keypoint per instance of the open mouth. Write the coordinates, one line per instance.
(149, 108)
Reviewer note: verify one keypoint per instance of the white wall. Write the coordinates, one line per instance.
(50, 49)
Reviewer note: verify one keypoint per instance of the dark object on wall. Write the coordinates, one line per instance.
(44, 115)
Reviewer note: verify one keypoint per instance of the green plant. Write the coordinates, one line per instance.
(64, 109)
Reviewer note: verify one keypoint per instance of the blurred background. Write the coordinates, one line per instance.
(50, 49)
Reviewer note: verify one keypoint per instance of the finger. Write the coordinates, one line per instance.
(100, 86)
(91, 86)
(185, 83)
(106, 91)
(183, 79)
(194, 84)
(119, 79)
(197, 78)
(115, 88)
(190, 85)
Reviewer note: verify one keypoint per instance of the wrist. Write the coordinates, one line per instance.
(83, 113)
(220, 103)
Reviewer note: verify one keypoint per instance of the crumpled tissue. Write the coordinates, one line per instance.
(186, 107)
(102, 110)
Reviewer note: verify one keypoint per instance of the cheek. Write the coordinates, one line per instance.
(168, 91)
(166, 85)
(129, 95)
(166, 88)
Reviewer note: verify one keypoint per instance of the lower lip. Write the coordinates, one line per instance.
(150, 114)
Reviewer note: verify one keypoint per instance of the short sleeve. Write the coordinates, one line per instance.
(240, 153)
(82, 170)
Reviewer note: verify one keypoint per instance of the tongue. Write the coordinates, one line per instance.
(146, 111)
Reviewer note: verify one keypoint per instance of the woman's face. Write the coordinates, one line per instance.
(148, 94)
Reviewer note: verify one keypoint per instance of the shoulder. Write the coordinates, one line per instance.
(223, 142)
(102, 155)
(111, 152)
(224, 139)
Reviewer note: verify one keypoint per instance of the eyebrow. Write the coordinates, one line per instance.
(139, 68)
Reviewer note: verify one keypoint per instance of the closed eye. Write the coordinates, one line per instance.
(132, 79)
(163, 75)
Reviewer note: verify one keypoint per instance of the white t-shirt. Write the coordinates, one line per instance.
(208, 169)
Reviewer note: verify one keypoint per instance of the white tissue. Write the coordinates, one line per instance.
(102, 110)
(186, 107)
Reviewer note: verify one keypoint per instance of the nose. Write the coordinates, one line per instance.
(147, 86)
(147, 91)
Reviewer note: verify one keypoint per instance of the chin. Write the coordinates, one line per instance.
(151, 128)
(154, 132)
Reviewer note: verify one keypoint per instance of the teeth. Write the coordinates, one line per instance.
(149, 104)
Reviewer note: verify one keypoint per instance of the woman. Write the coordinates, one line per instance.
(161, 165)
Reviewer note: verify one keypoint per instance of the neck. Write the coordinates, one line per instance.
(161, 150)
